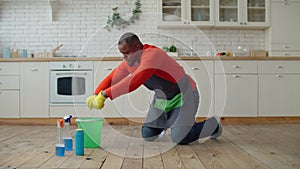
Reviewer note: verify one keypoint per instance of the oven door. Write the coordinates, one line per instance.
(70, 86)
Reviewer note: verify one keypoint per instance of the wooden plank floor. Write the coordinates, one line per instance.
(241, 146)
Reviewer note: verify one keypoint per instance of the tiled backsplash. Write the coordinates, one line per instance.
(77, 24)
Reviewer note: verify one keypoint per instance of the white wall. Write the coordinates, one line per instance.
(28, 24)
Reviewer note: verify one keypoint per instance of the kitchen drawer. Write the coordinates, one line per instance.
(284, 46)
(9, 68)
(279, 66)
(285, 53)
(235, 66)
(9, 82)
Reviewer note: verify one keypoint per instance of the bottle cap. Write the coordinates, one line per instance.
(67, 118)
(60, 123)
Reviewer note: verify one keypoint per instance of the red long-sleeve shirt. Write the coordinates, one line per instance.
(154, 62)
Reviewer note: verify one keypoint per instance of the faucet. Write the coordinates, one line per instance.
(55, 49)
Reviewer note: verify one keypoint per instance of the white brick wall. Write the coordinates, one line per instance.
(27, 24)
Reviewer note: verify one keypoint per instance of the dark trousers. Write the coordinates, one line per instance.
(178, 134)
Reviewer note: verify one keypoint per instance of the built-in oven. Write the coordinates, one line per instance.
(71, 82)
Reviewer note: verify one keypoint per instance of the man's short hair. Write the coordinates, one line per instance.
(129, 38)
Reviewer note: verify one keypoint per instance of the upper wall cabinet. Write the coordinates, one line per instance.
(209, 13)
(283, 37)
(185, 13)
(243, 13)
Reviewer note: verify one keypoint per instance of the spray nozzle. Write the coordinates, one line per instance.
(67, 118)
(60, 123)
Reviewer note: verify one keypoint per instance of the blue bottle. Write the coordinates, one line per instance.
(79, 140)
(59, 147)
(67, 134)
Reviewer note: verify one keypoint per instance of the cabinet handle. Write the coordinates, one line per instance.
(241, 23)
(195, 68)
(235, 76)
(64, 74)
(245, 23)
(107, 68)
(278, 76)
(285, 47)
(285, 54)
(35, 69)
(279, 67)
(236, 66)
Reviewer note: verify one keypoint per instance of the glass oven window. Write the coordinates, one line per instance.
(71, 86)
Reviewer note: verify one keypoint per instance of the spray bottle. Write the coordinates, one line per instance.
(60, 147)
(67, 134)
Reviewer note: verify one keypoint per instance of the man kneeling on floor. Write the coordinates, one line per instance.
(176, 97)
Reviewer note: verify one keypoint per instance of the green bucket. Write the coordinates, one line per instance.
(92, 129)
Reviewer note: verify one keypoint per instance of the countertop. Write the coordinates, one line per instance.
(120, 58)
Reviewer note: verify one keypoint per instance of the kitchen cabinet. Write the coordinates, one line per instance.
(135, 104)
(34, 86)
(243, 13)
(113, 108)
(203, 73)
(283, 39)
(279, 88)
(236, 86)
(185, 13)
(9, 90)
(209, 13)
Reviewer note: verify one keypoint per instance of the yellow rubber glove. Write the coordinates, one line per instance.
(98, 102)
(89, 101)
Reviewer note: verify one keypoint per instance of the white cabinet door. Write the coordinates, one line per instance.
(284, 33)
(137, 103)
(236, 95)
(285, 27)
(9, 90)
(203, 73)
(279, 95)
(201, 12)
(112, 108)
(257, 13)
(245, 13)
(171, 13)
(34, 87)
(10, 104)
(228, 12)
(186, 13)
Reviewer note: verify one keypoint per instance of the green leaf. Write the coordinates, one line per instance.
(172, 48)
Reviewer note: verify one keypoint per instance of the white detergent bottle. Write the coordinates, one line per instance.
(67, 134)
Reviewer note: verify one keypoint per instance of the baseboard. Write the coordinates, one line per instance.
(139, 121)
(260, 120)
